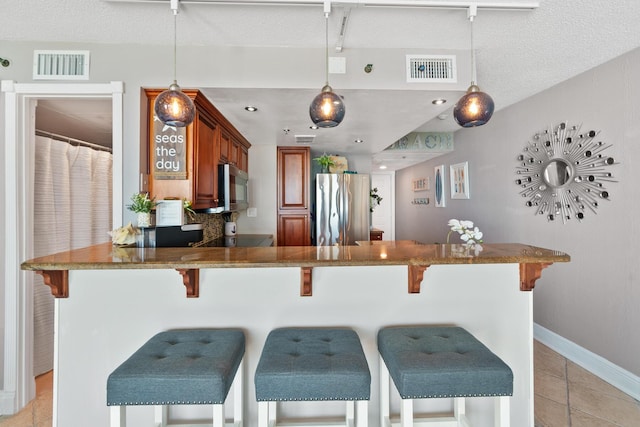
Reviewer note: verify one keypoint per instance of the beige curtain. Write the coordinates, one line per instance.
(72, 209)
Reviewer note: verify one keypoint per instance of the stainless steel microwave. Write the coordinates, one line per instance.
(233, 188)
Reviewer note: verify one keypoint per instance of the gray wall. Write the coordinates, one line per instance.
(593, 300)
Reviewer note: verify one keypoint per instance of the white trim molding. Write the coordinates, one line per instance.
(597, 365)
(18, 386)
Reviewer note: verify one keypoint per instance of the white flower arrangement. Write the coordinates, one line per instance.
(468, 233)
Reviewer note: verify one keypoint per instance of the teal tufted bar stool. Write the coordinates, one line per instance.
(326, 364)
(440, 362)
(181, 367)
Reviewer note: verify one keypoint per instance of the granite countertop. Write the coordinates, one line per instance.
(239, 240)
(107, 256)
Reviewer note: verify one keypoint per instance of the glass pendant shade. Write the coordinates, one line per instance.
(174, 108)
(475, 108)
(327, 109)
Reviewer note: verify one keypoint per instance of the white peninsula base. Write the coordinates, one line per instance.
(110, 313)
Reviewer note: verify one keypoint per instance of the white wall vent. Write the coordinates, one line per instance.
(431, 69)
(305, 139)
(61, 65)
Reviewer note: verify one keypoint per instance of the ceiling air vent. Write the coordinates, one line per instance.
(61, 65)
(431, 69)
(305, 139)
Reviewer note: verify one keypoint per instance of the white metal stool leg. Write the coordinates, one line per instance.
(263, 414)
(350, 416)
(118, 416)
(362, 413)
(502, 412)
(218, 415)
(459, 408)
(406, 413)
(273, 415)
(238, 395)
(384, 394)
(267, 414)
(161, 415)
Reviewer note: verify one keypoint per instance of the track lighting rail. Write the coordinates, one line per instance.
(439, 4)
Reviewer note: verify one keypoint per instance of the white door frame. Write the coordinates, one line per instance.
(19, 130)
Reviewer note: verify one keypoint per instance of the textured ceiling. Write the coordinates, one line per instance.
(519, 53)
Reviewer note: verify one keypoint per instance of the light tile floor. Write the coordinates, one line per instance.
(38, 413)
(566, 395)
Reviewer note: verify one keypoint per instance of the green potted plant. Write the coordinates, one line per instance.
(325, 161)
(188, 209)
(142, 205)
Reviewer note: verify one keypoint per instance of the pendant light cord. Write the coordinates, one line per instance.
(326, 46)
(473, 55)
(175, 45)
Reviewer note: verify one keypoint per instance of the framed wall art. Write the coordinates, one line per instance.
(421, 184)
(459, 176)
(439, 186)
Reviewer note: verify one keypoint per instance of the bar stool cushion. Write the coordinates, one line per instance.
(434, 362)
(195, 366)
(312, 364)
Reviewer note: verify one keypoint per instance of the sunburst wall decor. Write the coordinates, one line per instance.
(563, 172)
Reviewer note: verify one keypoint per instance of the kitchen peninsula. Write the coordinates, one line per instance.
(110, 300)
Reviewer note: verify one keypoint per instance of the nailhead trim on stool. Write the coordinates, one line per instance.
(313, 364)
(439, 362)
(180, 367)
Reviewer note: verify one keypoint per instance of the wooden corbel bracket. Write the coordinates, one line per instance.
(416, 273)
(529, 273)
(306, 288)
(57, 280)
(191, 280)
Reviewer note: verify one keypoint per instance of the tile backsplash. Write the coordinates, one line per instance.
(213, 223)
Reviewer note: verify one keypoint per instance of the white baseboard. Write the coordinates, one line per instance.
(7, 402)
(597, 365)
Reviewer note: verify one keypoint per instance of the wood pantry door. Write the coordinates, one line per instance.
(294, 213)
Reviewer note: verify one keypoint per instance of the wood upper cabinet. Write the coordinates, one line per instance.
(205, 170)
(225, 147)
(243, 158)
(294, 213)
(182, 162)
(233, 151)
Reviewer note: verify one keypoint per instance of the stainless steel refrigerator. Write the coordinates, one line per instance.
(342, 208)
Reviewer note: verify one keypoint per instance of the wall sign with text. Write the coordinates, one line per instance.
(169, 151)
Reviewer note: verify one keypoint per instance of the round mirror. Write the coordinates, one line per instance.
(557, 173)
(562, 172)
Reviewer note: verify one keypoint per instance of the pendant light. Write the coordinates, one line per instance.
(327, 109)
(173, 107)
(475, 108)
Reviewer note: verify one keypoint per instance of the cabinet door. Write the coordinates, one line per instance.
(234, 153)
(243, 163)
(225, 147)
(206, 186)
(293, 178)
(293, 230)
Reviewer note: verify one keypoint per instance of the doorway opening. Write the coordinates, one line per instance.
(72, 195)
(20, 100)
